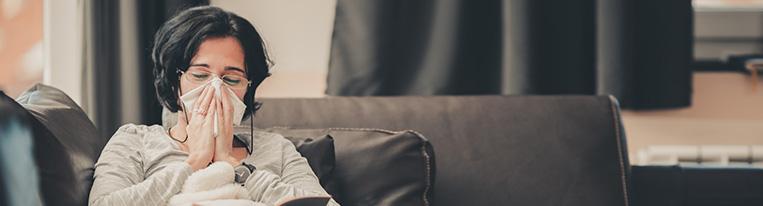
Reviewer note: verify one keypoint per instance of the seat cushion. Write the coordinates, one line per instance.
(319, 152)
(66, 145)
(377, 167)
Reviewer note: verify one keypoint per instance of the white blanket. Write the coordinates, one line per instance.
(213, 185)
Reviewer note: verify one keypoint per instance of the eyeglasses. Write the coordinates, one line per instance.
(201, 77)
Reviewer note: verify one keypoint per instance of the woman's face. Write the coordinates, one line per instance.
(220, 56)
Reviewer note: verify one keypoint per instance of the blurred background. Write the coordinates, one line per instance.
(679, 68)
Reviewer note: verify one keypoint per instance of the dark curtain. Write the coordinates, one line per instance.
(639, 51)
(105, 81)
(102, 59)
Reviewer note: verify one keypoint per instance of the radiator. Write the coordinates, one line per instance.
(715, 155)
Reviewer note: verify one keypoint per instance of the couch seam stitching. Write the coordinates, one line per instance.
(619, 148)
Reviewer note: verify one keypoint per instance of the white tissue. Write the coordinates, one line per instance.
(189, 99)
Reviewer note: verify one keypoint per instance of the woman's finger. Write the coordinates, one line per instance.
(209, 119)
(227, 107)
(220, 114)
(207, 100)
(198, 102)
(199, 107)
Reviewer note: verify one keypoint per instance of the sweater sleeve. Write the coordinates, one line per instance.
(120, 176)
(297, 180)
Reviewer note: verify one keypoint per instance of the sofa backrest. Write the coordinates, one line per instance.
(66, 145)
(491, 150)
(19, 184)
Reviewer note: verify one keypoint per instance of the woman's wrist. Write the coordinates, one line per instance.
(231, 160)
(196, 162)
(178, 134)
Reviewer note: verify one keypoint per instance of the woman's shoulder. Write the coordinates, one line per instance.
(133, 130)
(272, 151)
(264, 137)
(135, 134)
(270, 140)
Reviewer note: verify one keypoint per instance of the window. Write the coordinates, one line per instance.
(21, 49)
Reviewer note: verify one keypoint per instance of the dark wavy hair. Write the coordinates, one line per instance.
(176, 42)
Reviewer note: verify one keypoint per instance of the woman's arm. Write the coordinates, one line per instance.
(119, 174)
(298, 180)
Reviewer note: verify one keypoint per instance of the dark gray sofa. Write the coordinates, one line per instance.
(491, 150)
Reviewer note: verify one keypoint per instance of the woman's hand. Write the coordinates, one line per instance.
(201, 145)
(224, 140)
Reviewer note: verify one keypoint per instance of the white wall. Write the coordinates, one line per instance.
(298, 36)
(719, 33)
(62, 47)
(129, 64)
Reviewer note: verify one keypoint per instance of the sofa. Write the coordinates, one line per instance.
(491, 150)
(435, 150)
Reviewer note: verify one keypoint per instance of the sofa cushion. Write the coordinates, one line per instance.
(377, 167)
(319, 152)
(69, 145)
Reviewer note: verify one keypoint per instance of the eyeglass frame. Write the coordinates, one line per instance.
(248, 82)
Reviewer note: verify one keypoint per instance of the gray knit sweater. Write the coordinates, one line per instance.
(141, 165)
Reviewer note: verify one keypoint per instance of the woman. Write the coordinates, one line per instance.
(207, 64)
